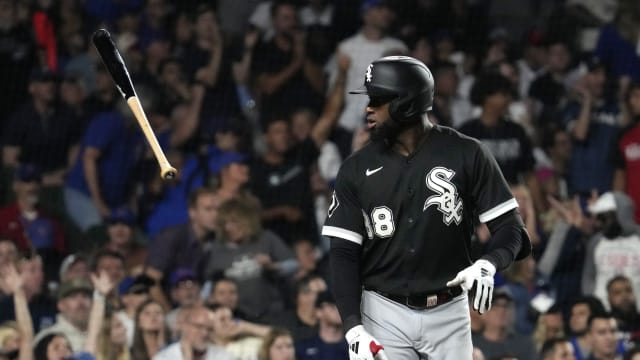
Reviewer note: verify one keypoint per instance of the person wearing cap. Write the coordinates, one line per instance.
(121, 232)
(185, 293)
(74, 305)
(329, 343)
(615, 247)
(41, 132)
(497, 337)
(74, 266)
(133, 292)
(591, 119)
(26, 223)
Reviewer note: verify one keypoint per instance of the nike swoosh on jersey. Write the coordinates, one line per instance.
(371, 172)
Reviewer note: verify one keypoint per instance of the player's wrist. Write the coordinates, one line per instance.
(354, 332)
(487, 264)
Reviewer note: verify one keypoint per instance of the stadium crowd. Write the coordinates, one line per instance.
(101, 259)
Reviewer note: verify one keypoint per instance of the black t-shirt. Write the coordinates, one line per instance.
(508, 143)
(17, 57)
(288, 184)
(43, 140)
(42, 308)
(294, 93)
(414, 216)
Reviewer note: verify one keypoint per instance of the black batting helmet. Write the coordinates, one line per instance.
(405, 81)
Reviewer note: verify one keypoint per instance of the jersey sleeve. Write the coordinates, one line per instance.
(344, 217)
(490, 191)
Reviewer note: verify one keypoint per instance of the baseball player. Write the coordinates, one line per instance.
(401, 219)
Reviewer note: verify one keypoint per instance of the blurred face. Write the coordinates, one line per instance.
(187, 293)
(103, 82)
(113, 266)
(500, 315)
(301, 124)
(238, 172)
(621, 296)
(44, 91)
(79, 270)
(603, 336)
(305, 253)
(285, 20)
(134, 300)
(120, 234)
(171, 73)
(75, 308)
(8, 252)
(446, 83)
(198, 326)
(204, 23)
(278, 137)
(499, 101)
(27, 192)
(223, 324)
(58, 349)
(205, 212)
(32, 275)
(379, 17)
(423, 51)
(558, 58)
(236, 228)
(184, 29)
(71, 93)
(634, 102)
(158, 50)
(118, 332)
(562, 351)
(151, 318)
(561, 146)
(282, 349)
(227, 141)
(554, 325)
(328, 313)
(225, 293)
(579, 316)
(7, 13)
(596, 80)
(156, 8)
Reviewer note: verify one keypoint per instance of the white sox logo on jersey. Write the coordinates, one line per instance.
(369, 74)
(449, 204)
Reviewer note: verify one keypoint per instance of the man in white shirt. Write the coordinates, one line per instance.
(194, 343)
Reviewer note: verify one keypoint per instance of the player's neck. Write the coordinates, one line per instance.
(410, 138)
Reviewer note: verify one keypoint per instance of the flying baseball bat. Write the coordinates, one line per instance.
(118, 70)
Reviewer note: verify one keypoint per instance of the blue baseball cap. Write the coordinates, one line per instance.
(131, 285)
(122, 215)
(227, 158)
(368, 4)
(182, 274)
(28, 173)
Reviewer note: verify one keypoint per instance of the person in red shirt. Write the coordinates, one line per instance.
(26, 224)
(627, 175)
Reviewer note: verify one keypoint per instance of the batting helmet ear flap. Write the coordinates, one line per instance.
(406, 107)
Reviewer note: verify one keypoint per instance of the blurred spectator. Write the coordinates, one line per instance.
(133, 293)
(449, 108)
(256, 259)
(240, 338)
(557, 348)
(548, 90)
(74, 95)
(522, 284)
(184, 245)
(529, 215)
(302, 320)
(329, 343)
(151, 334)
(368, 44)
(286, 76)
(562, 260)
(110, 262)
(195, 341)
(16, 340)
(121, 233)
(579, 314)
(27, 224)
(102, 177)
(497, 338)
(277, 345)
(617, 44)
(112, 343)
(550, 325)
(42, 132)
(234, 16)
(74, 304)
(74, 266)
(591, 119)
(185, 293)
(224, 292)
(104, 96)
(17, 58)
(622, 302)
(311, 260)
(8, 251)
(615, 248)
(552, 163)
(603, 337)
(627, 155)
(505, 139)
(41, 307)
(532, 62)
(53, 346)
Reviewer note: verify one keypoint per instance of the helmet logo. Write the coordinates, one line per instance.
(369, 75)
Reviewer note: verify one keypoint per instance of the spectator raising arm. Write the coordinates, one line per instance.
(208, 75)
(333, 107)
(12, 283)
(189, 122)
(90, 162)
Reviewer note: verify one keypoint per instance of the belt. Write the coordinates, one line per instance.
(422, 302)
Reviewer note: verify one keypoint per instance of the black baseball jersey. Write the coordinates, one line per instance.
(415, 215)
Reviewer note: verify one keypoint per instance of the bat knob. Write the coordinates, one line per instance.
(169, 173)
